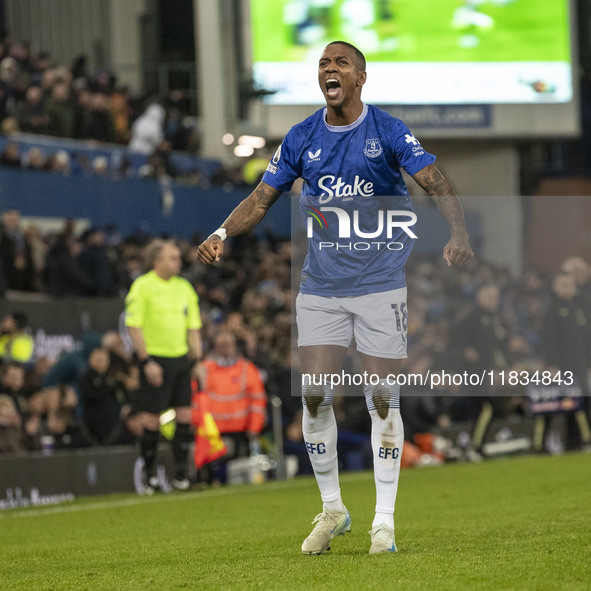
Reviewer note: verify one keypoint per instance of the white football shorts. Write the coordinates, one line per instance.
(378, 321)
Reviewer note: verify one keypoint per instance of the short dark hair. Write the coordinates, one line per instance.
(360, 57)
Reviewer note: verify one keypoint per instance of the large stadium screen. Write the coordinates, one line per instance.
(419, 51)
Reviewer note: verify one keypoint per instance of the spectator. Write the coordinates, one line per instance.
(99, 396)
(31, 113)
(567, 330)
(10, 156)
(38, 249)
(96, 264)
(567, 339)
(103, 82)
(63, 275)
(59, 163)
(581, 272)
(48, 79)
(10, 126)
(33, 417)
(9, 76)
(35, 159)
(69, 367)
(159, 164)
(83, 119)
(101, 122)
(11, 436)
(121, 367)
(60, 111)
(15, 252)
(15, 343)
(480, 335)
(120, 114)
(21, 52)
(12, 384)
(482, 340)
(177, 132)
(79, 68)
(147, 133)
(100, 166)
(62, 74)
(40, 64)
(66, 431)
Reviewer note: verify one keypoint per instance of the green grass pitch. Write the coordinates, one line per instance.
(520, 523)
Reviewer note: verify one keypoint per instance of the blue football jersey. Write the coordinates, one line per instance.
(355, 205)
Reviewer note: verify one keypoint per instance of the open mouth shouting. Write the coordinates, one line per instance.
(333, 88)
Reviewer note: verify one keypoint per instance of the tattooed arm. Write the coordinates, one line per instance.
(246, 216)
(457, 251)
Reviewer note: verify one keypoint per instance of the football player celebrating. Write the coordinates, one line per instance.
(349, 155)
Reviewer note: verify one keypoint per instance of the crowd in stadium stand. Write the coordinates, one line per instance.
(479, 318)
(41, 98)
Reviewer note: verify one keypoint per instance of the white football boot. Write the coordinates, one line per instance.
(382, 539)
(328, 525)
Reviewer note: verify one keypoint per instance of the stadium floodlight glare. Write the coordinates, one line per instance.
(228, 139)
(255, 141)
(243, 151)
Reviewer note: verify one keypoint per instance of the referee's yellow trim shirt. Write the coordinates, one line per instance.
(164, 310)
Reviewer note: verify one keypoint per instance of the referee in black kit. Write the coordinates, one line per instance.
(162, 317)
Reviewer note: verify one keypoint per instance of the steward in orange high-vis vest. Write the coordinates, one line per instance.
(234, 387)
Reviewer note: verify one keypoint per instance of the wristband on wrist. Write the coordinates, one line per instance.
(221, 232)
(144, 362)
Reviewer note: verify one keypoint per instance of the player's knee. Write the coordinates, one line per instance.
(313, 396)
(381, 400)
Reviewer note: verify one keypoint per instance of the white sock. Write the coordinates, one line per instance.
(387, 440)
(383, 519)
(320, 435)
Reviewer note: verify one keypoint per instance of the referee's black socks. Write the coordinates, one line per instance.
(183, 437)
(149, 449)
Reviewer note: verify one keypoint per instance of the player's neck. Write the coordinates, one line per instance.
(344, 114)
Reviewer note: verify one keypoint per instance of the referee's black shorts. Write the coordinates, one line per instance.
(175, 390)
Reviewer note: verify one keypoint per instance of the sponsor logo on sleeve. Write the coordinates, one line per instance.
(417, 149)
(272, 167)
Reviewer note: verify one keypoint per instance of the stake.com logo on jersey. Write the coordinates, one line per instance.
(390, 219)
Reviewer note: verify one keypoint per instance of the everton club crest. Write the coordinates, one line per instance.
(372, 148)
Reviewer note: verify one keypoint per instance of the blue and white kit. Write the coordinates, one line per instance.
(354, 201)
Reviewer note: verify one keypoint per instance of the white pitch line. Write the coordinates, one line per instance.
(21, 512)
(139, 500)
